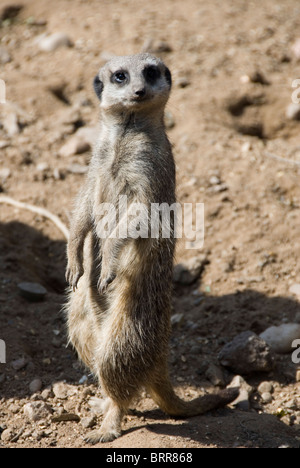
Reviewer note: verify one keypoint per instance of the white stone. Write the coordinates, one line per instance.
(49, 43)
(82, 141)
(36, 411)
(280, 338)
(295, 289)
(296, 48)
(293, 111)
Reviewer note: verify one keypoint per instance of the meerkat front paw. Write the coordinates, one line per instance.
(73, 275)
(104, 282)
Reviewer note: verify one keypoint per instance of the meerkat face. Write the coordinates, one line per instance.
(133, 83)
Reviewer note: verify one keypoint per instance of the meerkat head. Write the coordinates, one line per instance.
(132, 83)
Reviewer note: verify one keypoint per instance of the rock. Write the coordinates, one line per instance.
(188, 272)
(298, 376)
(266, 397)
(82, 141)
(291, 404)
(7, 435)
(265, 387)
(183, 82)
(66, 417)
(88, 421)
(35, 385)
(247, 353)
(215, 375)
(51, 42)
(214, 180)
(19, 364)
(73, 146)
(162, 47)
(36, 410)
(296, 48)
(258, 77)
(11, 124)
(60, 390)
(77, 168)
(242, 401)
(14, 118)
(5, 56)
(293, 111)
(10, 11)
(295, 289)
(83, 379)
(5, 173)
(32, 291)
(280, 338)
(177, 319)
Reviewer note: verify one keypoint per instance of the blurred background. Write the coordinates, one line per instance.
(234, 123)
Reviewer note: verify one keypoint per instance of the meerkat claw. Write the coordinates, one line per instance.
(103, 284)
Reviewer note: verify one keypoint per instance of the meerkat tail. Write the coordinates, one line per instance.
(163, 394)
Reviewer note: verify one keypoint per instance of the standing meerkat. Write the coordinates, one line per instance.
(119, 311)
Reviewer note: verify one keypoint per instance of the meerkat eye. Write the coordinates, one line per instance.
(151, 74)
(120, 77)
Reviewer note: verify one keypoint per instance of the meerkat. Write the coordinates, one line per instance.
(118, 312)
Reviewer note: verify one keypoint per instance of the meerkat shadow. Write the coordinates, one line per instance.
(26, 254)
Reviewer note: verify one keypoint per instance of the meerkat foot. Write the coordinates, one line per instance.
(111, 426)
(98, 435)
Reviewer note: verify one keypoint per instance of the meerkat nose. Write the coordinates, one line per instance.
(140, 92)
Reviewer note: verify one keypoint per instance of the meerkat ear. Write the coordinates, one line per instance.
(98, 86)
(168, 76)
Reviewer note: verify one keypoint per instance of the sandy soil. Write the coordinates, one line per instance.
(233, 66)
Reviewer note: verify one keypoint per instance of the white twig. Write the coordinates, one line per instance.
(283, 160)
(40, 211)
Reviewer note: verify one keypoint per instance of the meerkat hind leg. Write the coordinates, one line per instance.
(110, 428)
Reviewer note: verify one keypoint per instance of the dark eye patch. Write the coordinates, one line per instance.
(120, 77)
(151, 74)
(168, 77)
(98, 86)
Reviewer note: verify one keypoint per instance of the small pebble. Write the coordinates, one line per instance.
(19, 364)
(296, 48)
(60, 390)
(36, 410)
(7, 435)
(295, 289)
(266, 397)
(35, 385)
(293, 111)
(49, 43)
(5, 56)
(32, 291)
(265, 387)
(66, 417)
(88, 421)
(280, 338)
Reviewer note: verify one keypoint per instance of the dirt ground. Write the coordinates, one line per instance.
(233, 66)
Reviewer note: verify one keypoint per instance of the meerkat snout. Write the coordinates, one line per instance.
(140, 92)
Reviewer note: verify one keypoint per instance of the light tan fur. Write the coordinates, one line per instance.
(119, 309)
